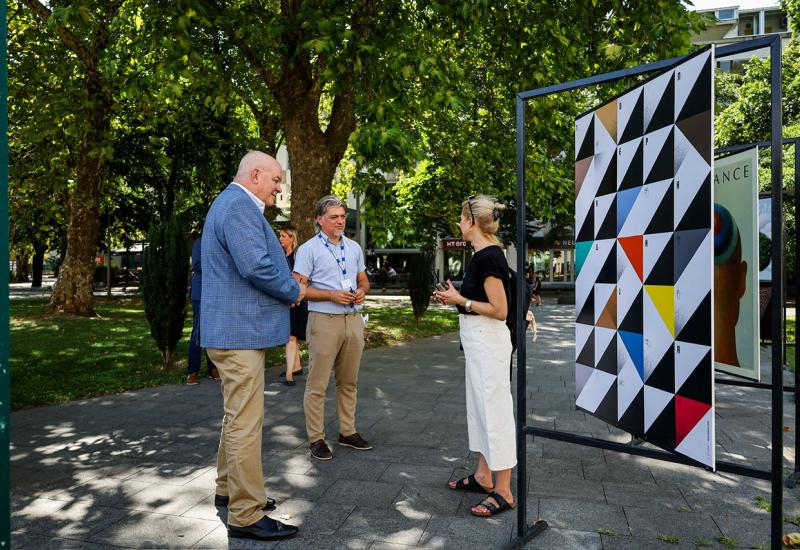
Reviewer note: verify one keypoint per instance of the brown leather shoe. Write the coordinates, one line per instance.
(191, 379)
(319, 450)
(214, 374)
(355, 441)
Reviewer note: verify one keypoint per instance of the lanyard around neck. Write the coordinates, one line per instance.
(341, 263)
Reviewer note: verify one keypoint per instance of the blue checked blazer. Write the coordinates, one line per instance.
(247, 285)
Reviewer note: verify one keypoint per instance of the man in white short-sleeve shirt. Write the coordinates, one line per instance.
(333, 267)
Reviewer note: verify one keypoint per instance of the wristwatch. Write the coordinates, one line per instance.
(468, 306)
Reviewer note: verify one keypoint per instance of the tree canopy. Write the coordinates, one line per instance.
(125, 112)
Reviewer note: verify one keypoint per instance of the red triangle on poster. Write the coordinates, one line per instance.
(635, 253)
(688, 413)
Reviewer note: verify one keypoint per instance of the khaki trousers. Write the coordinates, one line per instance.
(239, 471)
(335, 342)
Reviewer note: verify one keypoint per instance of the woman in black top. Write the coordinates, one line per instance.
(487, 349)
(298, 315)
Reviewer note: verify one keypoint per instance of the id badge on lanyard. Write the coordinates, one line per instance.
(347, 284)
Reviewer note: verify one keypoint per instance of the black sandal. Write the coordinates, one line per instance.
(493, 509)
(469, 484)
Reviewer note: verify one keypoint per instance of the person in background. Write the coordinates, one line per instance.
(537, 290)
(298, 316)
(483, 308)
(195, 294)
(247, 292)
(333, 266)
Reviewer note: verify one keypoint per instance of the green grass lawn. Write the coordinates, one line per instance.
(55, 359)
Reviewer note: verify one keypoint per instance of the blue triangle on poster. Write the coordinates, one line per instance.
(625, 200)
(634, 343)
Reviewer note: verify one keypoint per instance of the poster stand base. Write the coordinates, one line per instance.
(532, 531)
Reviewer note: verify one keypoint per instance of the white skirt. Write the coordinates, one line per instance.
(490, 408)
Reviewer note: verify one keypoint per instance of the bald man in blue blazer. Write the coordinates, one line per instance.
(247, 292)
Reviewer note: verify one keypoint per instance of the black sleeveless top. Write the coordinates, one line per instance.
(487, 262)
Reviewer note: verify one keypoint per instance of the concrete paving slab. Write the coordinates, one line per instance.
(403, 527)
(566, 488)
(645, 495)
(378, 545)
(369, 494)
(582, 516)
(283, 486)
(317, 518)
(349, 467)
(565, 539)
(464, 532)
(595, 471)
(148, 530)
(170, 473)
(39, 542)
(104, 492)
(640, 543)
(684, 525)
(205, 509)
(435, 501)
(167, 499)
(343, 541)
(747, 531)
(416, 474)
(38, 514)
(218, 539)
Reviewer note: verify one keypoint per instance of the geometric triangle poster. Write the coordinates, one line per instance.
(654, 312)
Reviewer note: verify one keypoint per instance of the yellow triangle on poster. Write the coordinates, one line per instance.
(608, 116)
(663, 297)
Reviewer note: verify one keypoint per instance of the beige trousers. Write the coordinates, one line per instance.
(335, 342)
(239, 471)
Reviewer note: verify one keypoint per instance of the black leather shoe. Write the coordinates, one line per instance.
(222, 502)
(319, 450)
(355, 441)
(264, 529)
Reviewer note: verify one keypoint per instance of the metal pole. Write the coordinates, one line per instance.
(796, 299)
(522, 486)
(108, 253)
(5, 375)
(776, 518)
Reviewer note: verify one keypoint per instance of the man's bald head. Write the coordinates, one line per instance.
(261, 174)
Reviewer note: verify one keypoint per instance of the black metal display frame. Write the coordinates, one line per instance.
(526, 532)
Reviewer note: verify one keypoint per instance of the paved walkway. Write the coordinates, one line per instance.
(137, 470)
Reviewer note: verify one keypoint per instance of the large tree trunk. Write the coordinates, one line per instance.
(312, 174)
(38, 265)
(314, 154)
(72, 292)
(22, 267)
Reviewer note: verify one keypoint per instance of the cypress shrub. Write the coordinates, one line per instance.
(165, 272)
(420, 279)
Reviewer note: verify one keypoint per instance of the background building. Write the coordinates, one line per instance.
(729, 22)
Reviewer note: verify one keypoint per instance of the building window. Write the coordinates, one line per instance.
(726, 14)
(748, 26)
(775, 22)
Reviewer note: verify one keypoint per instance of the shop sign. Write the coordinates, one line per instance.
(454, 244)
